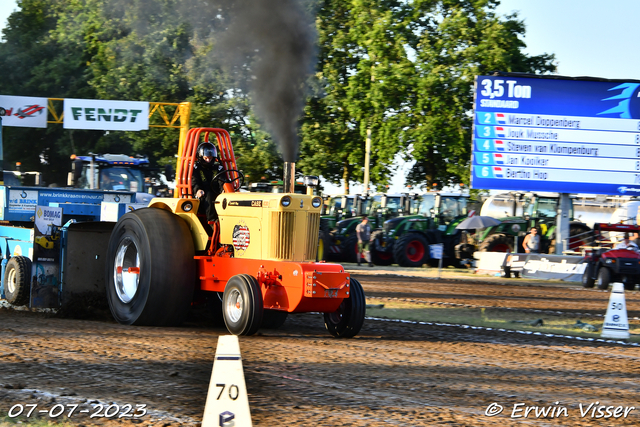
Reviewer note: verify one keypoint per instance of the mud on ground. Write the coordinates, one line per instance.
(392, 373)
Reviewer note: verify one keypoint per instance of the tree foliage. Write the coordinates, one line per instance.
(404, 70)
(401, 70)
(149, 50)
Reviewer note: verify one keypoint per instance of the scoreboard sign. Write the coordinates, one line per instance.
(556, 134)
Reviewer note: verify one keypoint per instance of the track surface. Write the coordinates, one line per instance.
(392, 374)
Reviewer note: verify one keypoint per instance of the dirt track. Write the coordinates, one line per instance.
(393, 373)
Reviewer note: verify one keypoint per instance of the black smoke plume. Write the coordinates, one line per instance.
(275, 39)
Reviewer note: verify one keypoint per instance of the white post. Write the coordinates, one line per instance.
(367, 160)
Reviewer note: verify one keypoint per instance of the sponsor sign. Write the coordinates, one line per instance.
(45, 285)
(23, 111)
(541, 266)
(556, 134)
(23, 200)
(435, 251)
(106, 115)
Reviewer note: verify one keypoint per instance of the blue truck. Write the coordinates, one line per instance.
(53, 240)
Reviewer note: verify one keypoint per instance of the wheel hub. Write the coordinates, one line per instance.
(126, 272)
(11, 282)
(415, 251)
(234, 305)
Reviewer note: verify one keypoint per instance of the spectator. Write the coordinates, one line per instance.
(531, 243)
(363, 231)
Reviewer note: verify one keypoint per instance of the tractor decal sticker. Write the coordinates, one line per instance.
(248, 203)
(241, 238)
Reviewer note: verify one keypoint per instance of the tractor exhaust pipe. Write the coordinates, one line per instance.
(289, 180)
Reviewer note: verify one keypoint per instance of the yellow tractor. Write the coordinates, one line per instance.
(259, 257)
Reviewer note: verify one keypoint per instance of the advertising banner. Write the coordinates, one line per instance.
(23, 111)
(541, 266)
(106, 115)
(556, 134)
(46, 257)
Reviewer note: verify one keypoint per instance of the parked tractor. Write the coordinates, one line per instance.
(405, 240)
(606, 264)
(540, 212)
(258, 258)
(378, 208)
(276, 186)
(120, 172)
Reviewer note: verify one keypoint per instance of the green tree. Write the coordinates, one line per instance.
(150, 50)
(405, 70)
(363, 67)
(36, 64)
(453, 42)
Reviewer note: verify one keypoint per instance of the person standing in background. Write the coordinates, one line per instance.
(531, 243)
(363, 231)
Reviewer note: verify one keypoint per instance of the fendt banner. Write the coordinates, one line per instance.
(105, 115)
(556, 134)
(23, 111)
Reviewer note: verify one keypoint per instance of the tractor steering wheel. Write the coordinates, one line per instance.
(221, 176)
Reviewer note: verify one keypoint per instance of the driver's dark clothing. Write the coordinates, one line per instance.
(202, 179)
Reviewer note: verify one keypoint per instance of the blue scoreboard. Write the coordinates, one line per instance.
(556, 134)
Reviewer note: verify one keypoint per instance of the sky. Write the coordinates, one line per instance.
(588, 37)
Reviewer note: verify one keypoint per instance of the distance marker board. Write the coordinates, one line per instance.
(556, 134)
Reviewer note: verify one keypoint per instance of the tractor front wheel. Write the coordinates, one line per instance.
(350, 249)
(347, 321)
(242, 305)
(379, 257)
(16, 280)
(604, 278)
(587, 279)
(150, 272)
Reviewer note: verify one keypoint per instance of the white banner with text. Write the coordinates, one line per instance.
(23, 111)
(106, 115)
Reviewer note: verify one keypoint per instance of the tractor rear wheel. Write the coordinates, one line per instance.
(17, 281)
(604, 278)
(379, 257)
(273, 319)
(587, 279)
(242, 305)
(411, 250)
(150, 272)
(347, 321)
(497, 243)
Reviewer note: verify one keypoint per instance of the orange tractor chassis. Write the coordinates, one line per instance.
(286, 286)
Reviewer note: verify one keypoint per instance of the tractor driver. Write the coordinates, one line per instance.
(206, 167)
(626, 243)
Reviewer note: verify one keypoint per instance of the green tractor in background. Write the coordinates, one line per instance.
(433, 219)
(336, 208)
(537, 211)
(342, 238)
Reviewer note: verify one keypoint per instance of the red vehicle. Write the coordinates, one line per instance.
(606, 264)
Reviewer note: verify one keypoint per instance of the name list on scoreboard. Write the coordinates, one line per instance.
(531, 150)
